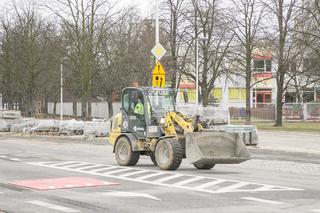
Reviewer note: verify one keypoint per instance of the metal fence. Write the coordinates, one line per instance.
(291, 111)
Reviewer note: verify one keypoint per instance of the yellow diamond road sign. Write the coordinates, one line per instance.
(158, 51)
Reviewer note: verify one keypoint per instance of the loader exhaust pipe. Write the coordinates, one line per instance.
(216, 148)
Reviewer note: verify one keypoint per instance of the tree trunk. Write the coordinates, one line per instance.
(173, 50)
(280, 82)
(204, 95)
(89, 108)
(30, 106)
(83, 109)
(74, 108)
(110, 107)
(248, 105)
(45, 106)
(279, 108)
(248, 85)
(55, 107)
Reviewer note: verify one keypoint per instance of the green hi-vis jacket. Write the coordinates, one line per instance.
(139, 109)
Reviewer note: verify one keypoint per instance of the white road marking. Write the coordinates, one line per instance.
(233, 187)
(315, 210)
(190, 180)
(101, 169)
(15, 159)
(149, 176)
(69, 185)
(133, 173)
(159, 178)
(129, 194)
(8, 158)
(87, 167)
(51, 187)
(116, 171)
(53, 206)
(77, 164)
(164, 179)
(1, 193)
(262, 200)
(212, 183)
(64, 163)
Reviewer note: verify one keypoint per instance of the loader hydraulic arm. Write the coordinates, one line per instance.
(176, 119)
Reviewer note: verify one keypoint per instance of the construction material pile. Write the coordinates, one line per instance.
(12, 121)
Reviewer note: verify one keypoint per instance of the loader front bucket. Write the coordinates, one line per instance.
(216, 147)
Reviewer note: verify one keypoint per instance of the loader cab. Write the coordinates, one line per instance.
(142, 110)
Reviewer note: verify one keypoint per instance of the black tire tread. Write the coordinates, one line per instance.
(134, 158)
(177, 154)
(203, 166)
(153, 159)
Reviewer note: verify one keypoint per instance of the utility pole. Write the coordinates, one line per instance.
(61, 90)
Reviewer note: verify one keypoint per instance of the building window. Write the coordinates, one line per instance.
(268, 65)
(216, 95)
(262, 65)
(237, 94)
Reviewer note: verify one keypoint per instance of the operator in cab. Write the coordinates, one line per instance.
(139, 108)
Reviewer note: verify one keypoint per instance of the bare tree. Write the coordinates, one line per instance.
(124, 58)
(283, 43)
(246, 17)
(25, 46)
(210, 22)
(84, 23)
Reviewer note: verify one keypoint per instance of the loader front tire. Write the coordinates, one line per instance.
(168, 154)
(124, 154)
(153, 159)
(204, 166)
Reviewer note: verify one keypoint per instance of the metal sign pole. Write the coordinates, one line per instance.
(157, 21)
(157, 24)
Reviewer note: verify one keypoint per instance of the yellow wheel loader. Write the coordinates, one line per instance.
(149, 125)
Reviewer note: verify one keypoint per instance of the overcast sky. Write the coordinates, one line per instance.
(145, 6)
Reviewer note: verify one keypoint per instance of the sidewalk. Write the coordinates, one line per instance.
(300, 142)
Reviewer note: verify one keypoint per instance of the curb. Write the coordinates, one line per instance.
(73, 139)
(283, 149)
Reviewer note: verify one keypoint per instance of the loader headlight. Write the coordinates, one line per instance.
(162, 120)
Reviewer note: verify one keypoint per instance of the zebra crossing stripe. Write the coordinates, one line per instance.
(167, 178)
(190, 180)
(233, 187)
(88, 167)
(116, 171)
(164, 179)
(77, 164)
(212, 183)
(65, 163)
(133, 173)
(104, 168)
(149, 176)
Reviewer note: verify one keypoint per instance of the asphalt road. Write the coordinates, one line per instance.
(271, 182)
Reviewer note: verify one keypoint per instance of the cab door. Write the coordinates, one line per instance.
(131, 120)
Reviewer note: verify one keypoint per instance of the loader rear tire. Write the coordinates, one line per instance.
(124, 154)
(204, 166)
(168, 154)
